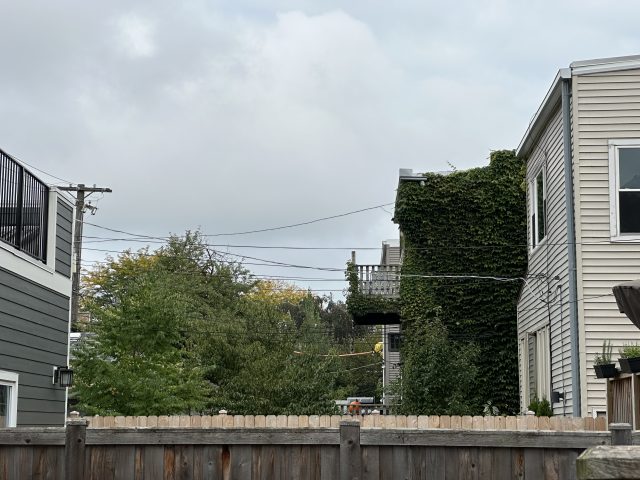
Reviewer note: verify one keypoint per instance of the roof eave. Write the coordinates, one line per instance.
(544, 113)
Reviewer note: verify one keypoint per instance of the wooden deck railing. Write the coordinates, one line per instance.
(381, 280)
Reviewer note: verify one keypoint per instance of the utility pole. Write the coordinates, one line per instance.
(81, 193)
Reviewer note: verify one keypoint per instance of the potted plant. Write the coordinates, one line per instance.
(602, 363)
(630, 358)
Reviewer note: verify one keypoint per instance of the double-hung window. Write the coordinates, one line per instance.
(538, 188)
(624, 188)
(8, 399)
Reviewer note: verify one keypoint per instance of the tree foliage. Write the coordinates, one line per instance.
(182, 329)
(468, 223)
(439, 375)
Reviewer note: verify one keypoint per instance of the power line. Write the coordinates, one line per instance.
(19, 160)
(270, 229)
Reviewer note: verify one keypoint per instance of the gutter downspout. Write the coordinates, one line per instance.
(571, 250)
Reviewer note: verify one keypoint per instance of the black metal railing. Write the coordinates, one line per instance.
(24, 205)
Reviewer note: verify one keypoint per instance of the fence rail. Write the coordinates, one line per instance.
(422, 422)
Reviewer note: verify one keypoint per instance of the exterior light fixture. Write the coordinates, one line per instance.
(63, 376)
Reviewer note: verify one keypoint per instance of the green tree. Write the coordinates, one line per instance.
(134, 360)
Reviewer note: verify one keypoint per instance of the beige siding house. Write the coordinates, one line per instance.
(583, 199)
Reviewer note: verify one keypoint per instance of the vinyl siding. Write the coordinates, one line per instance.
(33, 338)
(391, 361)
(607, 107)
(64, 222)
(548, 260)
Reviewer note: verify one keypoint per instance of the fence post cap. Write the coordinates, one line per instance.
(349, 423)
(619, 426)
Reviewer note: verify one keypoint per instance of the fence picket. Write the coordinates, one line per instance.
(420, 422)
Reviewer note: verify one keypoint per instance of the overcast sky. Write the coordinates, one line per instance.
(238, 115)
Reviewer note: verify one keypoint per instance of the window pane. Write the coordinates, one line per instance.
(629, 212)
(540, 206)
(4, 405)
(629, 167)
(394, 342)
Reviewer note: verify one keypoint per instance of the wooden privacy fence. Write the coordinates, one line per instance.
(347, 452)
(423, 422)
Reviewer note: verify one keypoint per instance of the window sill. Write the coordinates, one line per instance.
(625, 239)
(541, 243)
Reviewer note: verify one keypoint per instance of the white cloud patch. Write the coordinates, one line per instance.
(135, 36)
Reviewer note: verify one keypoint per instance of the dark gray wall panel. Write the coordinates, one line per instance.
(33, 338)
(64, 220)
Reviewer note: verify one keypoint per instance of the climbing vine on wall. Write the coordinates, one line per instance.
(360, 304)
(469, 224)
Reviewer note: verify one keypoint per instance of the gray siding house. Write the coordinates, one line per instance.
(583, 198)
(36, 225)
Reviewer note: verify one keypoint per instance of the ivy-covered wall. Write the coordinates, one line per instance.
(468, 223)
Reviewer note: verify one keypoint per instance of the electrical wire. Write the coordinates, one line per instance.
(13, 157)
(261, 230)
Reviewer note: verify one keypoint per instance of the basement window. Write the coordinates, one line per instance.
(624, 189)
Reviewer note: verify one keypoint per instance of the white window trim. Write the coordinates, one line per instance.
(10, 379)
(533, 187)
(614, 213)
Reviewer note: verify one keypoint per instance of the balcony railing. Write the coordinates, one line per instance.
(24, 206)
(382, 280)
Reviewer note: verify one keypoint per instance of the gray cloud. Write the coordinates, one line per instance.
(235, 115)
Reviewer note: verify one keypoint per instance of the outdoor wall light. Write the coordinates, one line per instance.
(62, 376)
(557, 397)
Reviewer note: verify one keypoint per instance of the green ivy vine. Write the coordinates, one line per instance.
(467, 223)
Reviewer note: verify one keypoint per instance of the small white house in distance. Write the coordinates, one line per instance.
(583, 197)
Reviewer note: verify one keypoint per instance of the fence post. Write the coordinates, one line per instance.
(620, 433)
(74, 443)
(350, 459)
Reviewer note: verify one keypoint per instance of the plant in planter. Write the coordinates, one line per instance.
(602, 363)
(630, 358)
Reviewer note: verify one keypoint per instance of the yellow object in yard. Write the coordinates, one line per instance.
(379, 348)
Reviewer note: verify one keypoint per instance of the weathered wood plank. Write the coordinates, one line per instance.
(240, 466)
(400, 456)
(551, 464)
(417, 463)
(472, 438)
(153, 461)
(370, 463)
(436, 463)
(184, 462)
(500, 463)
(32, 436)
(169, 459)
(533, 463)
(517, 463)
(385, 455)
(468, 458)
(229, 436)
(452, 463)
(124, 461)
